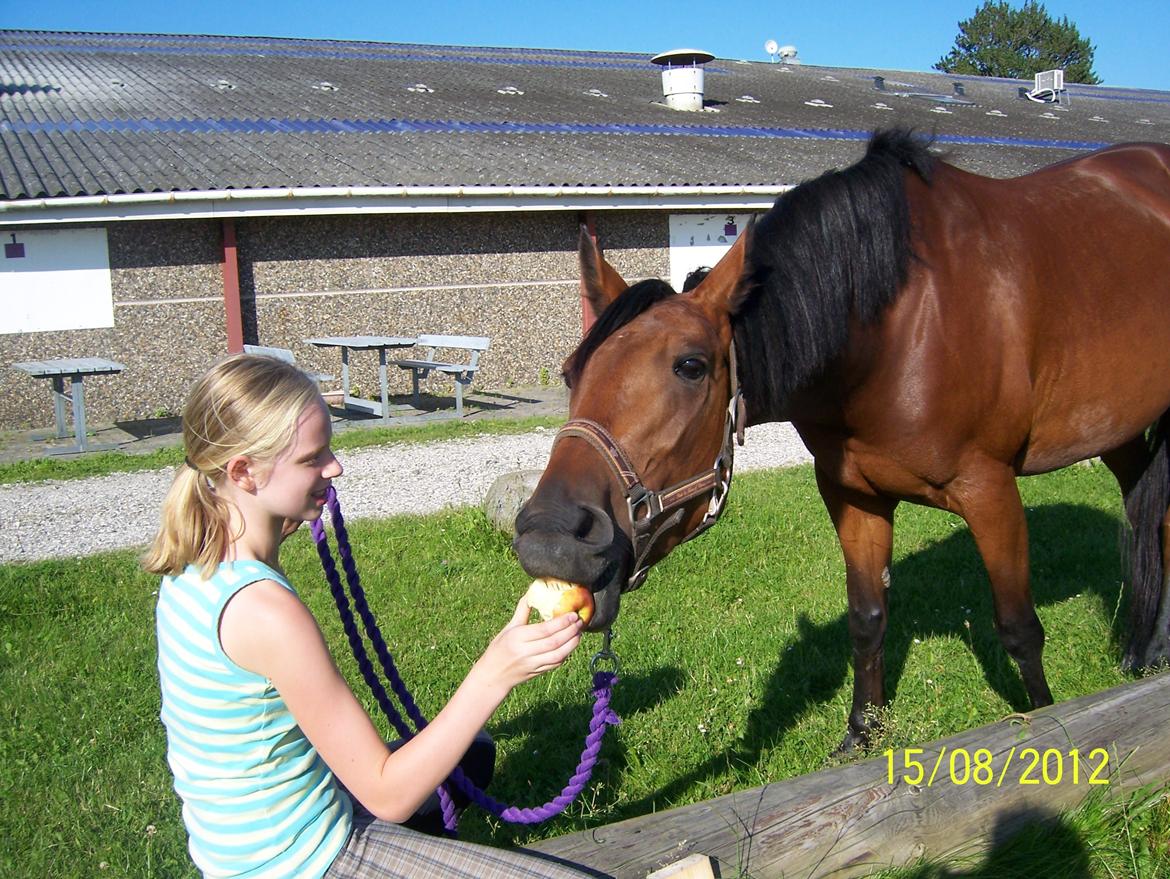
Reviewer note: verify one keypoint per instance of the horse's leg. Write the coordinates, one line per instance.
(1143, 473)
(1158, 649)
(865, 526)
(995, 514)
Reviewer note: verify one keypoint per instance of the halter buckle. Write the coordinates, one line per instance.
(720, 491)
(725, 463)
(643, 504)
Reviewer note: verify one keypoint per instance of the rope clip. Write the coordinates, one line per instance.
(605, 654)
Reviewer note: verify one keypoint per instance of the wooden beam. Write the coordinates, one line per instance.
(851, 820)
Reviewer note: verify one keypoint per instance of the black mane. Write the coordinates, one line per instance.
(833, 249)
(631, 303)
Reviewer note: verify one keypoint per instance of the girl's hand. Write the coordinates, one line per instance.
(522, 651)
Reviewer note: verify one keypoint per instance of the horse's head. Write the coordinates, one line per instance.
(648, 410)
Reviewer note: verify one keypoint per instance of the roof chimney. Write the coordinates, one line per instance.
(682, 77)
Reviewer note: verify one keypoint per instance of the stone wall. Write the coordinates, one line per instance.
(509, 276)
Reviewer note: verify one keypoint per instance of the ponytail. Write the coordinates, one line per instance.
(194, 527)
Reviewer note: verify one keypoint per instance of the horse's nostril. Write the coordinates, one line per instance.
(595, 527)
(584, 524)
(586, 521)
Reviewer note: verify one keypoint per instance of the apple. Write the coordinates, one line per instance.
(551, 598)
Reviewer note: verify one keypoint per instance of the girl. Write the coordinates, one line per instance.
(280, 771)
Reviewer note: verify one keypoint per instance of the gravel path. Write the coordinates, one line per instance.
(84, 516)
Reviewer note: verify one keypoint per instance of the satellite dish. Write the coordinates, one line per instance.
(772, 47)
(787, 52)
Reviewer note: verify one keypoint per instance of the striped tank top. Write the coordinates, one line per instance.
(258, 801)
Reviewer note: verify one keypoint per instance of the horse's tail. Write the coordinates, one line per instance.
(1145, 506)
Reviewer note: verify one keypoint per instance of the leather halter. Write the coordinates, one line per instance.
(654, 512)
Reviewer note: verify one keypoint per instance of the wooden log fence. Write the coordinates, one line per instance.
(955, 794)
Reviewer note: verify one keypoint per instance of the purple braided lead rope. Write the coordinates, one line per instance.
(341, 599)
(603, 715)
(385, 659)
(363, 608)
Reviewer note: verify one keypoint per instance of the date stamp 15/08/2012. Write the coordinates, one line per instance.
(1032, 766)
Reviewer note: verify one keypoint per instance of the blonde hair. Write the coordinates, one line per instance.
(244, 405)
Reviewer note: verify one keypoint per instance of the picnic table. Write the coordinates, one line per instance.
(365, 343)
(75, 369)
(462, 372)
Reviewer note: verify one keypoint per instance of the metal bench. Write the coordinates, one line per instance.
(462, 373)
(287, 356)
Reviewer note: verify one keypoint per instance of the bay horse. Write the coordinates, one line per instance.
(931, 334)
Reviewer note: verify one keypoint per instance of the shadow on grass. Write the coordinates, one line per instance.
(550, 759)
(1019, 835)
(1063, 537)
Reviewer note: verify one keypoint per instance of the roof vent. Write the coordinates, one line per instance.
(682, 77)
(1047, 87)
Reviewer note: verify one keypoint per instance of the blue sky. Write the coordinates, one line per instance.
(1132, 37)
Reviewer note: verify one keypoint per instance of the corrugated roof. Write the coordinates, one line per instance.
(99, 114)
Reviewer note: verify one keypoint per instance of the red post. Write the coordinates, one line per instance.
(233, 313)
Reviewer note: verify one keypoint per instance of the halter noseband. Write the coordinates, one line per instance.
(654, 512)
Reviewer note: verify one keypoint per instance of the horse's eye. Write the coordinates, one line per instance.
(692, 369)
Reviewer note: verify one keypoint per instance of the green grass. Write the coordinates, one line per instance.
(102, 463)
(735, 670)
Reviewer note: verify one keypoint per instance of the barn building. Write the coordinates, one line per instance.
(169, 198)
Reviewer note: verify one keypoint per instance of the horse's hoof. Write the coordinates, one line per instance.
(1156, 661)
(1155, 657)
(852, 744)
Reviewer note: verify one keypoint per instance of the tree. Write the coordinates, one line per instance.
(1019, 43)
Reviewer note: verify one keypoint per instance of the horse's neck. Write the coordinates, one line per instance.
(819, 401)
(825, 396)
(813, 404)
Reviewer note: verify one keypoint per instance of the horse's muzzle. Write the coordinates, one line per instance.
(579, 543)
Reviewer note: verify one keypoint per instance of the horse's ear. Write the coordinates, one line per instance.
(600, 281)
(725, 288)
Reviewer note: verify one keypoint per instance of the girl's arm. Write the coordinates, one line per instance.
(268, 630)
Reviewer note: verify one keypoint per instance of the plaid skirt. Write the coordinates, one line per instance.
(419, 850)
(384, 850)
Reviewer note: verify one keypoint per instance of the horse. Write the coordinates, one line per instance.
(932, 335)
